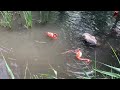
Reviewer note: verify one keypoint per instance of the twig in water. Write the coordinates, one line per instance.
(1, 49)
(11, 58)
(5, 48)
(39, 41)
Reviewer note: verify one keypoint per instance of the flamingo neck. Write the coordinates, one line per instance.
(86, 60)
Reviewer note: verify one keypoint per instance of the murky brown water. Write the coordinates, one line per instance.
(35, 48)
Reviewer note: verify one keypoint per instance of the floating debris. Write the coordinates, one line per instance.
(11, 58)
(40, 42)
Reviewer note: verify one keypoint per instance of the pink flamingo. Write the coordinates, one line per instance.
(52, 35)
(115, 13)
(78, 55)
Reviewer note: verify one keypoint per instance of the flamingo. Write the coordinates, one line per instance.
(52, 35)
(79, 55)
(116, 13)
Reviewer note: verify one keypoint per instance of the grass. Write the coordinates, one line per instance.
(6, 20)
(45, 16)
(110, 74)
(39, 75)
(28, 19)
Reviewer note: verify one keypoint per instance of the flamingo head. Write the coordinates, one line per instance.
(55, 36)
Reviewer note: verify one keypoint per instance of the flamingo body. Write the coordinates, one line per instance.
(79, 55)
(52, 35)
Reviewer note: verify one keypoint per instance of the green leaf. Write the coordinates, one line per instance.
(108, 73)
(55, 72)
(114, 53)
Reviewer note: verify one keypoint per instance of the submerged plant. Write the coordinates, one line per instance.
(6, 18)
(28, 18)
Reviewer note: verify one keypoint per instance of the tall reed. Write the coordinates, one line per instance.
(28, 18)
(110, 74)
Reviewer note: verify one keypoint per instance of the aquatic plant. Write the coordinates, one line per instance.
(6, 18)
(111, 74)
(45, 76)
(28, 18)
(40, 75)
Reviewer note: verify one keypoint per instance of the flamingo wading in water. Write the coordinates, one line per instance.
(78, 55)
(52, 35)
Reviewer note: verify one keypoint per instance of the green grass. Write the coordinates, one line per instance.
(45, 17)
(28, 19)
(110, 74)
(40, 75)
(6, 20)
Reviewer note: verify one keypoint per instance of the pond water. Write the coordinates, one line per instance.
(34, 48)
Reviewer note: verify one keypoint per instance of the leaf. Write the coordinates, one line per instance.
(112, 67)
(114, 53)
(55, 72)
(115, 68)
(108, 73)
